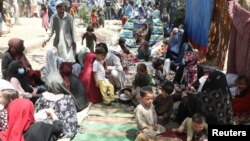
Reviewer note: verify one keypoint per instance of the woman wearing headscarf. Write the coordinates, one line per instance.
(53, 63)
(185, 82)
(216, 99)
(80, 57)
(21, 126)
(88, 79)
(58, 97)
(18, 79)
(63, 104)
(74, 85)
(188, 75)
(16, 52)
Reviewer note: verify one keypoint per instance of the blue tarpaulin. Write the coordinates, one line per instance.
(197, 20)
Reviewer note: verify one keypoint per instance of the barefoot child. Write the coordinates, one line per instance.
(90, 38)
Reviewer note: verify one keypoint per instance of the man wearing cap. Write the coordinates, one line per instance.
(62, 23)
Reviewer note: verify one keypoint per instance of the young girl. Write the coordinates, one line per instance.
(45, 17)
(6, 96)
(146, 118)
(94, 18)
(143, 51)
(143, 69)
(90, 38)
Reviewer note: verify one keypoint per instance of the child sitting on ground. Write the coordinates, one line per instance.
(143, 69)
(240, 104)
(140, 81)
(106, 88)
(146, 118)
(243, 86)
(164, 103)
(90, 38)
(144, 51)
(158, 66)
(195, 127)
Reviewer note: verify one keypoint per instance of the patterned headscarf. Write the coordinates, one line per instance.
(190, 74)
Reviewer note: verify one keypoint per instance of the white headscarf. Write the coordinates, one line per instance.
(53, 65)
(4, 84)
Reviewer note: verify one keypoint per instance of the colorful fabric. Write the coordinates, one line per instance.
(107, 91)
(241, 105)
(127, 32)
(191, 70)
(113, 123)
(3, 120)
(239, 47)
(88, 79)
(94, 18)
(45, 19)
(81, 55)
(65, 110)
(157, 31)
(197, 19)
(74, 85)
(20, 118)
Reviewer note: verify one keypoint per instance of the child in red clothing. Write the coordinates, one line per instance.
(94, 18)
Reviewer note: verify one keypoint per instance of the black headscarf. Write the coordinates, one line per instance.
(216, 99)
(22, 78)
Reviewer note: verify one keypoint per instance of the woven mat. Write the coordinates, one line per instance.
(107, 123)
